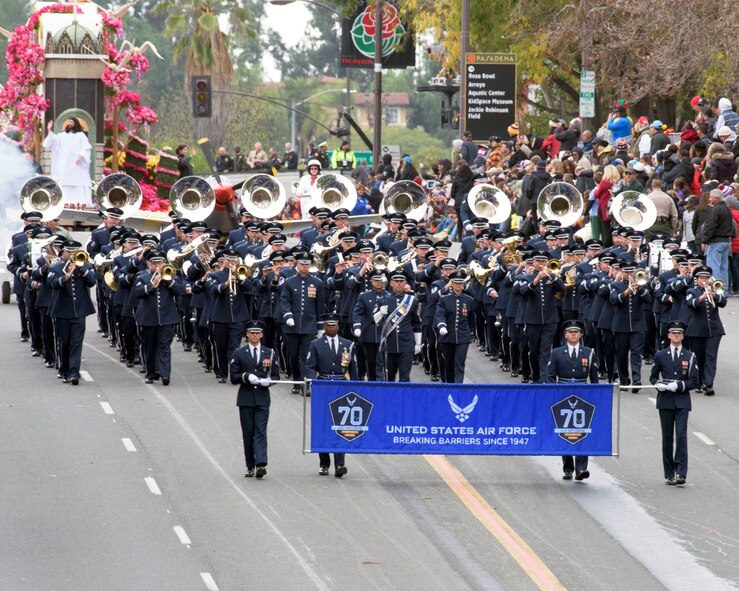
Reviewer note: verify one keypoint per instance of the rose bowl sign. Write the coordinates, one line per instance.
(358, 38)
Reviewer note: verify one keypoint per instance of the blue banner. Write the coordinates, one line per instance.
(456, 419)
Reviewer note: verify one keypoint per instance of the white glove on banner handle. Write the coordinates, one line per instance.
(383, 310)
(661, 387)
(265, 383)
(672, 386)
(357, 332)
(290, 322)
(253, 380)
(443, 331)
(377, 317)
(417, 338)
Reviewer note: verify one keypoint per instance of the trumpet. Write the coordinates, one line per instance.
(641, 277)
(380, 261)
(242, 273)
(168, 272)
(554, 267)
(395, 263)
(80, 258)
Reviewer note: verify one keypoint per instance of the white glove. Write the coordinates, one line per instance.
(377, 317)
(661, 387)
(417, 338)
(290, 322)
(253, 380)
(357, 332)
(265, 383)
(443, 331)
(672, 386)
(320, 334)
(383, 310)
(468, 227)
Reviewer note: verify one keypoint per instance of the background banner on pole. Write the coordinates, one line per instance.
(456, 419)
(358, 38)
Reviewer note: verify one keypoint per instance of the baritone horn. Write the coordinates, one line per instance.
(121, 191)
(43, 194)
(717, 287)
(561, 202)
(405, 197)
(634, 210)
(263, 196)
(641, 277)
(490, 202)
(192, 197)
(334, 191)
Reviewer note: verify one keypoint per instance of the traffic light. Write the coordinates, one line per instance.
(201, 97)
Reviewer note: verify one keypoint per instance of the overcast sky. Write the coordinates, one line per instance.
(289, 22)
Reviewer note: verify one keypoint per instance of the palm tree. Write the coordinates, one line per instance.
(196, 28)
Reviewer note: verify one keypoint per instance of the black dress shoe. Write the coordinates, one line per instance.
(142, 370)
(506, 368)
(129, 363)
(323, 471)
(75, 381)
(104, 335)
(296, 390)
(24, 339)
(435, 378)
(340, 471)
(514, 374)
(49, 364)
(65, 380)
(165, 381)
(148, 381)
(249, 473)
(636, 390)
(261, 472)
(679, 480)
(208, 370)
(525, 381)
(221, 380)
(670, 481)
(709, 392)
(582, 475)
(188, 347)
(567, 476)
(36, 354)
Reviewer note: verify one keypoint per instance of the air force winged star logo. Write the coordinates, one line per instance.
(462, 414)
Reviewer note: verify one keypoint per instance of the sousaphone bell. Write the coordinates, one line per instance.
(634, 210)
(263, 196)
(334, 191)
(43, 194)
(405, 197)
(488, 201)
(192, 197)
(119, 190)
(561, 202)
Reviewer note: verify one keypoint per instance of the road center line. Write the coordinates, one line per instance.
(128, 444)
(704, 438)
(85, 375)
(521, 552)
(182, 535)
(153, 486)
(107, 409)
(210, 584)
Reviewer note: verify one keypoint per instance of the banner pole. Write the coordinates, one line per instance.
(617, 429)
(306, 385)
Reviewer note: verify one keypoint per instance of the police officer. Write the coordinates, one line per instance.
(331, 357)
(302, 302)
(675, 374)
(254, 367)
(156, 316)
(705, 328)
(70, 307)
(573, 363)
(454, 319)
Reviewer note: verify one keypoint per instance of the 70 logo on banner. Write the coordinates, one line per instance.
(572, 418)
(350, 415)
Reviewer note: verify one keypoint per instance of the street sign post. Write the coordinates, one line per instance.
(490, 94)
(587, 94)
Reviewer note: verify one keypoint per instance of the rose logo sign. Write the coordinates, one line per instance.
(363, 30)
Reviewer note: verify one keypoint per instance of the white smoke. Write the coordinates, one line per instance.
(16, 170)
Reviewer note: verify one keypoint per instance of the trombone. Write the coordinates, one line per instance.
(77, 261)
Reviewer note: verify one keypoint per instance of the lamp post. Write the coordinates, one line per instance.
(463, 66)
(377, 140)
(295, 104)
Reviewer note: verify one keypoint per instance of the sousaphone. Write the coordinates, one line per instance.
(263, 196)
(334, 191)
(561, 202)
(43, 194)
(192, 197)
(488, 201)
(119, 190)
(634, 210)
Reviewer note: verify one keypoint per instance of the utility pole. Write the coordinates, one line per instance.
(463, 66)
(377, 140)
(587, 45)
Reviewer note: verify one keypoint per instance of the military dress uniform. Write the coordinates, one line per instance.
(70, 308)
(254, 371)
(156, 317)
(331, 361)
(455, 322)
(368, 331)
(403, 340)
(675, 372)
(573, 364)
(302, 302)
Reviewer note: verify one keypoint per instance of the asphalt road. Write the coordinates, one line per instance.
(118, 485)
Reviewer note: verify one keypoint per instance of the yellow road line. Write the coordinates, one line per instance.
(521, 552)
